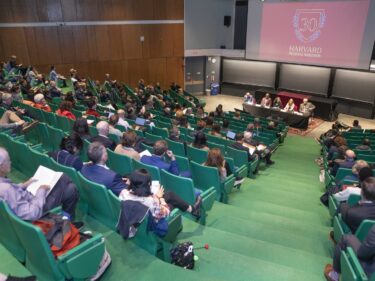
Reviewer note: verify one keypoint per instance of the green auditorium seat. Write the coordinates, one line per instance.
(79, 263)
(93, 131)
(216, 145)
(63, 123)
(55, 137)
(367, 158)
(49, 118)
(206, 177)
(196, 155)
(40, 158)
(183, 163)
(152, 137)
(238, 171)
(83, 153)
(114, 137)
(184, 188)
(154, 171)
(8, 236)
(120, 163)
(240, 158)
(99, 205)
(161, 132)
(342, 173)
(24, 155)
(178, 148)
(351, 269)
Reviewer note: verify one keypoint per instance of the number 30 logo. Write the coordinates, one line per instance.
(308, 24)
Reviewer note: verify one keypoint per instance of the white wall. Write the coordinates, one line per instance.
(204, 24)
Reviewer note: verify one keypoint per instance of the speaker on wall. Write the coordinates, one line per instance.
(227, 20)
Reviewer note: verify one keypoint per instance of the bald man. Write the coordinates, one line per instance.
(121, 119)
(347, 163)
(29, 207)
(306, 107)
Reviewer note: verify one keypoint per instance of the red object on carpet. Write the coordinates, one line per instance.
(298, 98)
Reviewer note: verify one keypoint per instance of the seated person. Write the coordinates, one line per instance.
(277, 103)
(200, 112)
(364, 250)
(98, 172)
(225, 126)
(356, 125)
(81, 128)
(121, 119)
(69, 149)
(289, 107)
(102, 137)
(174, 135)
(200, 141)
(91, 104)
(219, 111)
(266, 101)
(147, 115)
(348, 162)
(40, 103)
(306, 107)
(338, 141)
(29, 207)
(161, 203)
(263, 153)
(237, 116)
(65, 109)
(10, 118)
(365, 146)
(362, 172)
(364, 209)
(157, 159)
(216, 130)
(113, 120)
(215, 159)
(127, 145)
(53, 91)
(239, 145)
(249, 99)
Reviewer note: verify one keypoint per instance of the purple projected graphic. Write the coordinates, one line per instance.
(324, 33)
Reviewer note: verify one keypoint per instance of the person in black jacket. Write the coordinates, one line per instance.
(365, 252)
(239, 145)
(364, 209)
(67, 155)
(102, 137)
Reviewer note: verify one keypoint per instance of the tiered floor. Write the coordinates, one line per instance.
(273, 229)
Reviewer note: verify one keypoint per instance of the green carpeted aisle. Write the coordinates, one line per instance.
(274, 228)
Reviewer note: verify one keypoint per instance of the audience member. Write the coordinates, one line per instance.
(215, 159)
(91, 104)
(81, 128)
(67, 155)
(113, 121)
(40, 103)
(65, 109)
(356, 125)
(29, 207)
(261, 150)
(365, 146)
(216, 130)
(98, 172)
(102, 137)
(161, 203)
(127, 145)
(348, 162)
(200, 141)
(239, 144)
(121, 119)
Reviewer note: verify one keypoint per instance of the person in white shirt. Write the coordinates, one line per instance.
(121, 119)
(362, 171)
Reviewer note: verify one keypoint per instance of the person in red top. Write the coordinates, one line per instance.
(65, 110)
(91, 104)
(40, 102)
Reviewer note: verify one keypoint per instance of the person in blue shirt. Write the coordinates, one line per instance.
(98, 172)
(157, 159)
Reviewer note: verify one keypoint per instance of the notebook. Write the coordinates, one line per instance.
(44, 176)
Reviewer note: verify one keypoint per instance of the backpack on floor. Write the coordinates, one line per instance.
(183, 255)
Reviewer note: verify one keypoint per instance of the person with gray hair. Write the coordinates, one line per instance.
(98, 172)
(306, 107)
(10, 119)
(29, 207)
(121, 119)
(102, 137)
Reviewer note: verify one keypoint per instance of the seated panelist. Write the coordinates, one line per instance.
(289, 107)
(266, 101)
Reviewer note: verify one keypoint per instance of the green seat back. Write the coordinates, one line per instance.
(39, 258)
(351, 269)
(178, 148)
(55, 137)
(114, 137)
(154, 171)
(99, 205)
(215, 145)
(183, 187)
(342, 173)
(152, 137)
(49, 118)
(161, 132)
(63, 123)
(120, 163)
(196, 155)
(8, 236)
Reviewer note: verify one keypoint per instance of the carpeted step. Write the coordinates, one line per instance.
(246, 245)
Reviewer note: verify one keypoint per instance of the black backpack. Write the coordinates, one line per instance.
(183, 255)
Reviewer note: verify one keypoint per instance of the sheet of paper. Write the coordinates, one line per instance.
(155, 186)
(44, 176)
(145, 152)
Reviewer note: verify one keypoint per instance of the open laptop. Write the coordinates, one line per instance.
(231, 135)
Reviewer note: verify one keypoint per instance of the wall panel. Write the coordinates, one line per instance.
(96, 49)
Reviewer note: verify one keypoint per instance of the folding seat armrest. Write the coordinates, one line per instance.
(174, 226)
(208, 198)
(82, 262)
